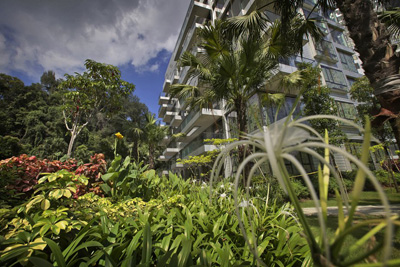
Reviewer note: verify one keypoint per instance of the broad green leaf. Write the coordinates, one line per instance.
(62, 224)
(45, 204)
(108, 176)
(44, 229)
(38, 244)
(67, 193)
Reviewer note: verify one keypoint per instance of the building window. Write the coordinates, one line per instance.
(335, 79)
(346, 110)
(351, 81)
(270, 111)
(340, 38)
(347, 61)
(326, 49)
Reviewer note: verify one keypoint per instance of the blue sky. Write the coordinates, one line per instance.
(138, 36)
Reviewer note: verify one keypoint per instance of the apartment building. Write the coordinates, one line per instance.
(334, 55)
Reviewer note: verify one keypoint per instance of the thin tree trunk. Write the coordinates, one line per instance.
(372, 42)
(151, 157)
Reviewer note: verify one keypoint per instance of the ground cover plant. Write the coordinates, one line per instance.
(163, 221)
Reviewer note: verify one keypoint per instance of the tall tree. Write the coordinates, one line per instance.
(152, 133)
(99, 89)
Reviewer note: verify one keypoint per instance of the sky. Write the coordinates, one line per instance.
(138, 36)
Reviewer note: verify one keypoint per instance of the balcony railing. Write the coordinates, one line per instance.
(198, 142)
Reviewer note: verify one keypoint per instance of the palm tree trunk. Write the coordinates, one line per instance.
(372, 42)
(241, 112)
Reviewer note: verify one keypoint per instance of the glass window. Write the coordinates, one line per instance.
(326, 49)
(347, 61)
(270, 111)
(334, 78)
(339, 37)
(351, 81)
(346, 110)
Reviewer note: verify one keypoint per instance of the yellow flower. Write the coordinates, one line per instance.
(119, 135)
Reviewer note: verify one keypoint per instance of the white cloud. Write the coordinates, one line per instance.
(39, 35)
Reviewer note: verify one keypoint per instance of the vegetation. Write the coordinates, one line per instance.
(122, 213)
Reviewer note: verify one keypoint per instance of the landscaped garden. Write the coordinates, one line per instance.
(81, 183)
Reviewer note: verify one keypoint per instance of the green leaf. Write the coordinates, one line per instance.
(62, 224)
(108, 176)
(56, 252)
(45, 204)
(67, 193)
(39, 262)
(185, 252)
(147, 245)
(56, 194)
(44, 229)
(55, 229)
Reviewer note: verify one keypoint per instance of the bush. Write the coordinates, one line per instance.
(19, 175)
(179, 226)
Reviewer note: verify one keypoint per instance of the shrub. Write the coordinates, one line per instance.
(179, 226)
(20, 174)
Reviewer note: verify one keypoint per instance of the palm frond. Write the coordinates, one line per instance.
(391, 18)
(251, 23)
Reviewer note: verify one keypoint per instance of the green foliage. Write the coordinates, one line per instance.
(205, 160)
(179, 226)
(97, 90)
(275, 147)
(317, 100)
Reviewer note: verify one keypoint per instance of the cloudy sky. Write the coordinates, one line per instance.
(138, 36)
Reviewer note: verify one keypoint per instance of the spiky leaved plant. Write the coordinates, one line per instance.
(274, 145)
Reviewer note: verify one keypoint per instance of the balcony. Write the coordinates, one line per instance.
(167, 84)
(163, 99)
(198, 147)
(170, 151)
(176, 120)
(169, 115)
(165, 141)
(163, 109)
(196, 9)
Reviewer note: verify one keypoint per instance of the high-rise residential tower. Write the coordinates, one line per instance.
(189, 127)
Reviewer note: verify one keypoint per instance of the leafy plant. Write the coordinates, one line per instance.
(275, 144)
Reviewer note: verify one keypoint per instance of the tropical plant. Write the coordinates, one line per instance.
(274, 145)
(152, 133)
(99, 89)
(179, 226)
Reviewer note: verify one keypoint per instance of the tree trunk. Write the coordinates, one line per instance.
(151, 156)
(372, 42)
(74, 133)
(241, 112)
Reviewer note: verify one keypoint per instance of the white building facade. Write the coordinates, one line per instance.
(334, 55)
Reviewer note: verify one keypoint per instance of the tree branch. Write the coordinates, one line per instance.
(65, 121)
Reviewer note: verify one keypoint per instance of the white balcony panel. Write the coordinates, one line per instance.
(202, 119)
(169, 115)
(167, 84)
(165, 140)
(163, 100)
(170, 151)
(176, 121)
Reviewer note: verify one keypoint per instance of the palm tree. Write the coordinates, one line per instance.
(372, 41)
(235, 61)
(152, 133)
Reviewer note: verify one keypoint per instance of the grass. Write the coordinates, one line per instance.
(367, 198)
(332, 224)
